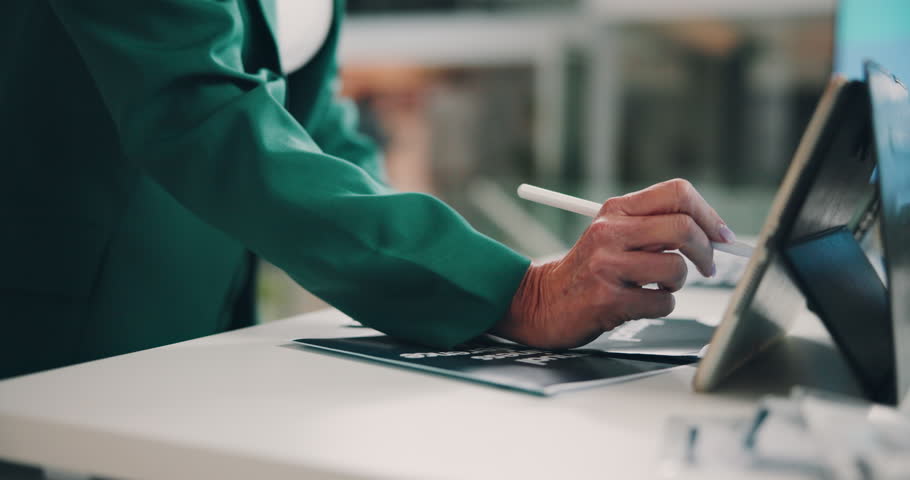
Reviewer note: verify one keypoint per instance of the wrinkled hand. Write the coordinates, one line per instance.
(597, 285)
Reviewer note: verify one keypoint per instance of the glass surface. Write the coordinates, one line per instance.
(891, 118)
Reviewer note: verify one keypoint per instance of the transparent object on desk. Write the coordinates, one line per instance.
(730, 269)
(767, 443)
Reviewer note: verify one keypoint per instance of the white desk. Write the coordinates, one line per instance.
(246, 404)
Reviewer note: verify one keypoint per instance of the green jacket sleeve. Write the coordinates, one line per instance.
(220, 141)
(332, 121)
(333, 126)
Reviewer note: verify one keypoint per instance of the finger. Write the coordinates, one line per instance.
(667, 232)
(648, 303)
(667, 270)
(672, 196)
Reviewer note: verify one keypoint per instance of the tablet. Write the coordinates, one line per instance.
(826, 186)
(890, 101)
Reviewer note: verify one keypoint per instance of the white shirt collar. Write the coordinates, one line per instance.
(303, 26)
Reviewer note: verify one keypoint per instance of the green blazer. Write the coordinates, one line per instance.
(148, 147)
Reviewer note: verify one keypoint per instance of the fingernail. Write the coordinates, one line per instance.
(713, 269)
(726, 234)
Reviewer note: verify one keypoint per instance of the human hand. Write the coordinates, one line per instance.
(597, 285)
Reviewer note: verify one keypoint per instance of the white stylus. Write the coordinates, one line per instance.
(590, 209)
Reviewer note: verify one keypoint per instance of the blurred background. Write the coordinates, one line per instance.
(470, 98)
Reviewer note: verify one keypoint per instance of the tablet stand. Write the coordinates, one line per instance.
(844, 290)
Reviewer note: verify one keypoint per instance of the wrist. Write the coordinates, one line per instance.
(526, 308)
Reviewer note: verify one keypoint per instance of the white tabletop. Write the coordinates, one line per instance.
(248, 404)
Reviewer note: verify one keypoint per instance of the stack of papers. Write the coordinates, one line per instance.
(677, 340)
(637, 349)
